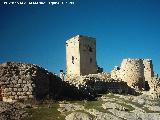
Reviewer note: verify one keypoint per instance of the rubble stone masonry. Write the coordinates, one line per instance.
(134, 71)
(23, 81)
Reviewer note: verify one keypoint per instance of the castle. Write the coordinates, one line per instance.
(81, 60)
(27, 81)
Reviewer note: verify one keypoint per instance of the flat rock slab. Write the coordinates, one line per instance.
(110, 105)
(79, 116)
(154, 108)
(102, 116)
(135, 115)
(70, 107)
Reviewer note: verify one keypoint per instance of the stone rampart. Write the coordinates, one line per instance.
(24, 81)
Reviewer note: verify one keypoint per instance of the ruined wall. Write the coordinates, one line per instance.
(99, 83)
(81, 55)
(154, 87)
(115, 73)
(24, 81)
(134, 71)
(148, 69)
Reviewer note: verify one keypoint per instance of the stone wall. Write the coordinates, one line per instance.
(87, 49)
(148, 69)
(115, 73)
(134, 71)
(72, 56)
(24, 81)
(154, 84)
(99, 83)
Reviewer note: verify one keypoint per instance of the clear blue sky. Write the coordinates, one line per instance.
(122, 28)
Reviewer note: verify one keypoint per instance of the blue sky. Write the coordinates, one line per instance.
(122, 28)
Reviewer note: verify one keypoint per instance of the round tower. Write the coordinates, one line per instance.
(132, 72)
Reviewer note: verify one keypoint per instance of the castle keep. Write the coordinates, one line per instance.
(81, 55)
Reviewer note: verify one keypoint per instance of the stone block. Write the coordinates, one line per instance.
(14, 81)
(12, 97)
(10, 89)
(13, 93)
(29, 93)
(31, 96)
(24, 81)
(26, 88)
(20, 89)
(17, 85)
(20, 81)
(15, 89)
(18, 93)
(16, 97)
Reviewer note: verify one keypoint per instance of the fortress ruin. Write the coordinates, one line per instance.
(21, 81)
(136, 72)
(81, 61)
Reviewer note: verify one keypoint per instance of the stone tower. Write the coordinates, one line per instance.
(132, 72)
(136, 72)
(81, 55)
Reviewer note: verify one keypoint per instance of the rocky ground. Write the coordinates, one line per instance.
(81, 98)
(12, 111)
(112, 106)
(105, 107)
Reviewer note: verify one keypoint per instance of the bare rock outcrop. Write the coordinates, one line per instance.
(67, 107)
(78, 116)
(111, 105)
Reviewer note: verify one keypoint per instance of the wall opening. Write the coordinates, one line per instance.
(147, 86)
(1, 98)
(90, 49)
(90, 60)
(72, 60)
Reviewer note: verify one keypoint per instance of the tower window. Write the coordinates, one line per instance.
(90, 60)
(72, 59)
(90, 49)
